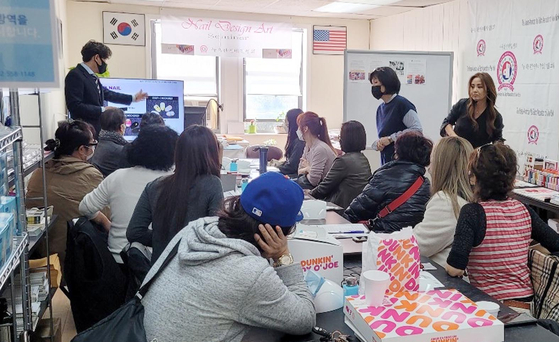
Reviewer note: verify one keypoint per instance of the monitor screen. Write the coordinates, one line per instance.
(165, 98)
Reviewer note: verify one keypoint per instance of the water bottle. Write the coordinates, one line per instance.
(233, 165)
(263, 159)
(244, 184)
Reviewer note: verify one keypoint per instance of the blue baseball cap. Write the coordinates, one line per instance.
(274, 199)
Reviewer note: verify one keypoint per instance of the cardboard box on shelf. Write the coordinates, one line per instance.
(39, 265)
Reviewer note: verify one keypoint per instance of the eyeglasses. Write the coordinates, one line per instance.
(92, 144)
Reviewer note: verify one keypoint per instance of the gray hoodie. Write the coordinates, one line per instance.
(216, 288)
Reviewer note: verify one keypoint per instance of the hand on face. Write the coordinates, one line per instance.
(272, 242)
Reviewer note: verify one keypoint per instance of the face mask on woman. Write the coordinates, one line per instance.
(300, 134)
(377, 93)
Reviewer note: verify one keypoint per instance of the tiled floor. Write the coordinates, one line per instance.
(61, 309)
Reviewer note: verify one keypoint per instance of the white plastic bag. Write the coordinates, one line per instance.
(396, 254)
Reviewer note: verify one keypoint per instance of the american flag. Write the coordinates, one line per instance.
(329, 39)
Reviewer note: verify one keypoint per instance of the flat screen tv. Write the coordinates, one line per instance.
(165, 98)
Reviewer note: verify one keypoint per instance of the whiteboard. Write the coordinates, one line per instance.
(432, 98)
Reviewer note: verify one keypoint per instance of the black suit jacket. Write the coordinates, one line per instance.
(83, 99)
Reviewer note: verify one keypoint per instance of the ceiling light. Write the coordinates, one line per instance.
(345, 7)
(373, 2)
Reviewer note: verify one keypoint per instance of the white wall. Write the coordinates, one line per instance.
(438, 28)
(324, 73)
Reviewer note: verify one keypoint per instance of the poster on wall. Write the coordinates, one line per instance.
(415, 71)
(124, 29)
(29, 40)
(512, 42)
(224, 38)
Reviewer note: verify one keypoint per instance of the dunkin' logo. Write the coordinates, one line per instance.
(481, 46)
(507, 69)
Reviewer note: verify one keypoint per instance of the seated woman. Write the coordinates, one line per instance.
(150, 118)
(109, 154)
(319, 154)
(350, 172)
(220, 282)
(493, 235)
(294, 146)
(69, 178)
(450, 186)
(151, 156)
(192, 191)
(390, 182)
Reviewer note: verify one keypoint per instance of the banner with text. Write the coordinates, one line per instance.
(224, 38)
(516, 43)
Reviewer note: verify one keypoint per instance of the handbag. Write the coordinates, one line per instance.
(545, 280)
(397, 202)
(127, 323)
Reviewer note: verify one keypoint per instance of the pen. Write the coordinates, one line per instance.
(349, 232)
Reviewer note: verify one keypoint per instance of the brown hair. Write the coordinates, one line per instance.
(317, 127)
(353, 137)
(412, 146)
(491, 95)
(449, 170)
(494, 167)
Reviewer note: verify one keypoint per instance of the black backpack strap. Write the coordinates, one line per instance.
(144, 289)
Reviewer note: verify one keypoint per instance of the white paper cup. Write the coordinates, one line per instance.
(490, 307)
(376, 284)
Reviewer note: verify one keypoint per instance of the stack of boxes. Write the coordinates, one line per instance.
(39, 293)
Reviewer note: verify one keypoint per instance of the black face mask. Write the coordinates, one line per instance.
(102, 67)
(375, 90)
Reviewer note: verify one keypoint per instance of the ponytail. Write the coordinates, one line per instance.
(317, 126)
(324, 136)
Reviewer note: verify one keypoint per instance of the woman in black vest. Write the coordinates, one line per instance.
(475, 118)
(395, 115)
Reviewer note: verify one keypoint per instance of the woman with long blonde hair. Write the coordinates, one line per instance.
(450, 190)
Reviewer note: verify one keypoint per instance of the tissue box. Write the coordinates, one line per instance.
(434, 316)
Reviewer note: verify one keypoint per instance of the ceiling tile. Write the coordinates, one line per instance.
(305, 8)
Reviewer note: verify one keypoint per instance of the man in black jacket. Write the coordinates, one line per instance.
(84, 92)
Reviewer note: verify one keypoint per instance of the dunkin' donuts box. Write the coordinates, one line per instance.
(434, 316)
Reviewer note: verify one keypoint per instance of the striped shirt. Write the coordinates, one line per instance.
(499, 265)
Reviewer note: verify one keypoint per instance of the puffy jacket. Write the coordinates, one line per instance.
(388, 183)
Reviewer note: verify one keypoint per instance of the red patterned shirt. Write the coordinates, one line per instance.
(499, 265)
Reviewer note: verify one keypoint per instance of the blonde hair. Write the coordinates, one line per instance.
(449, 170)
